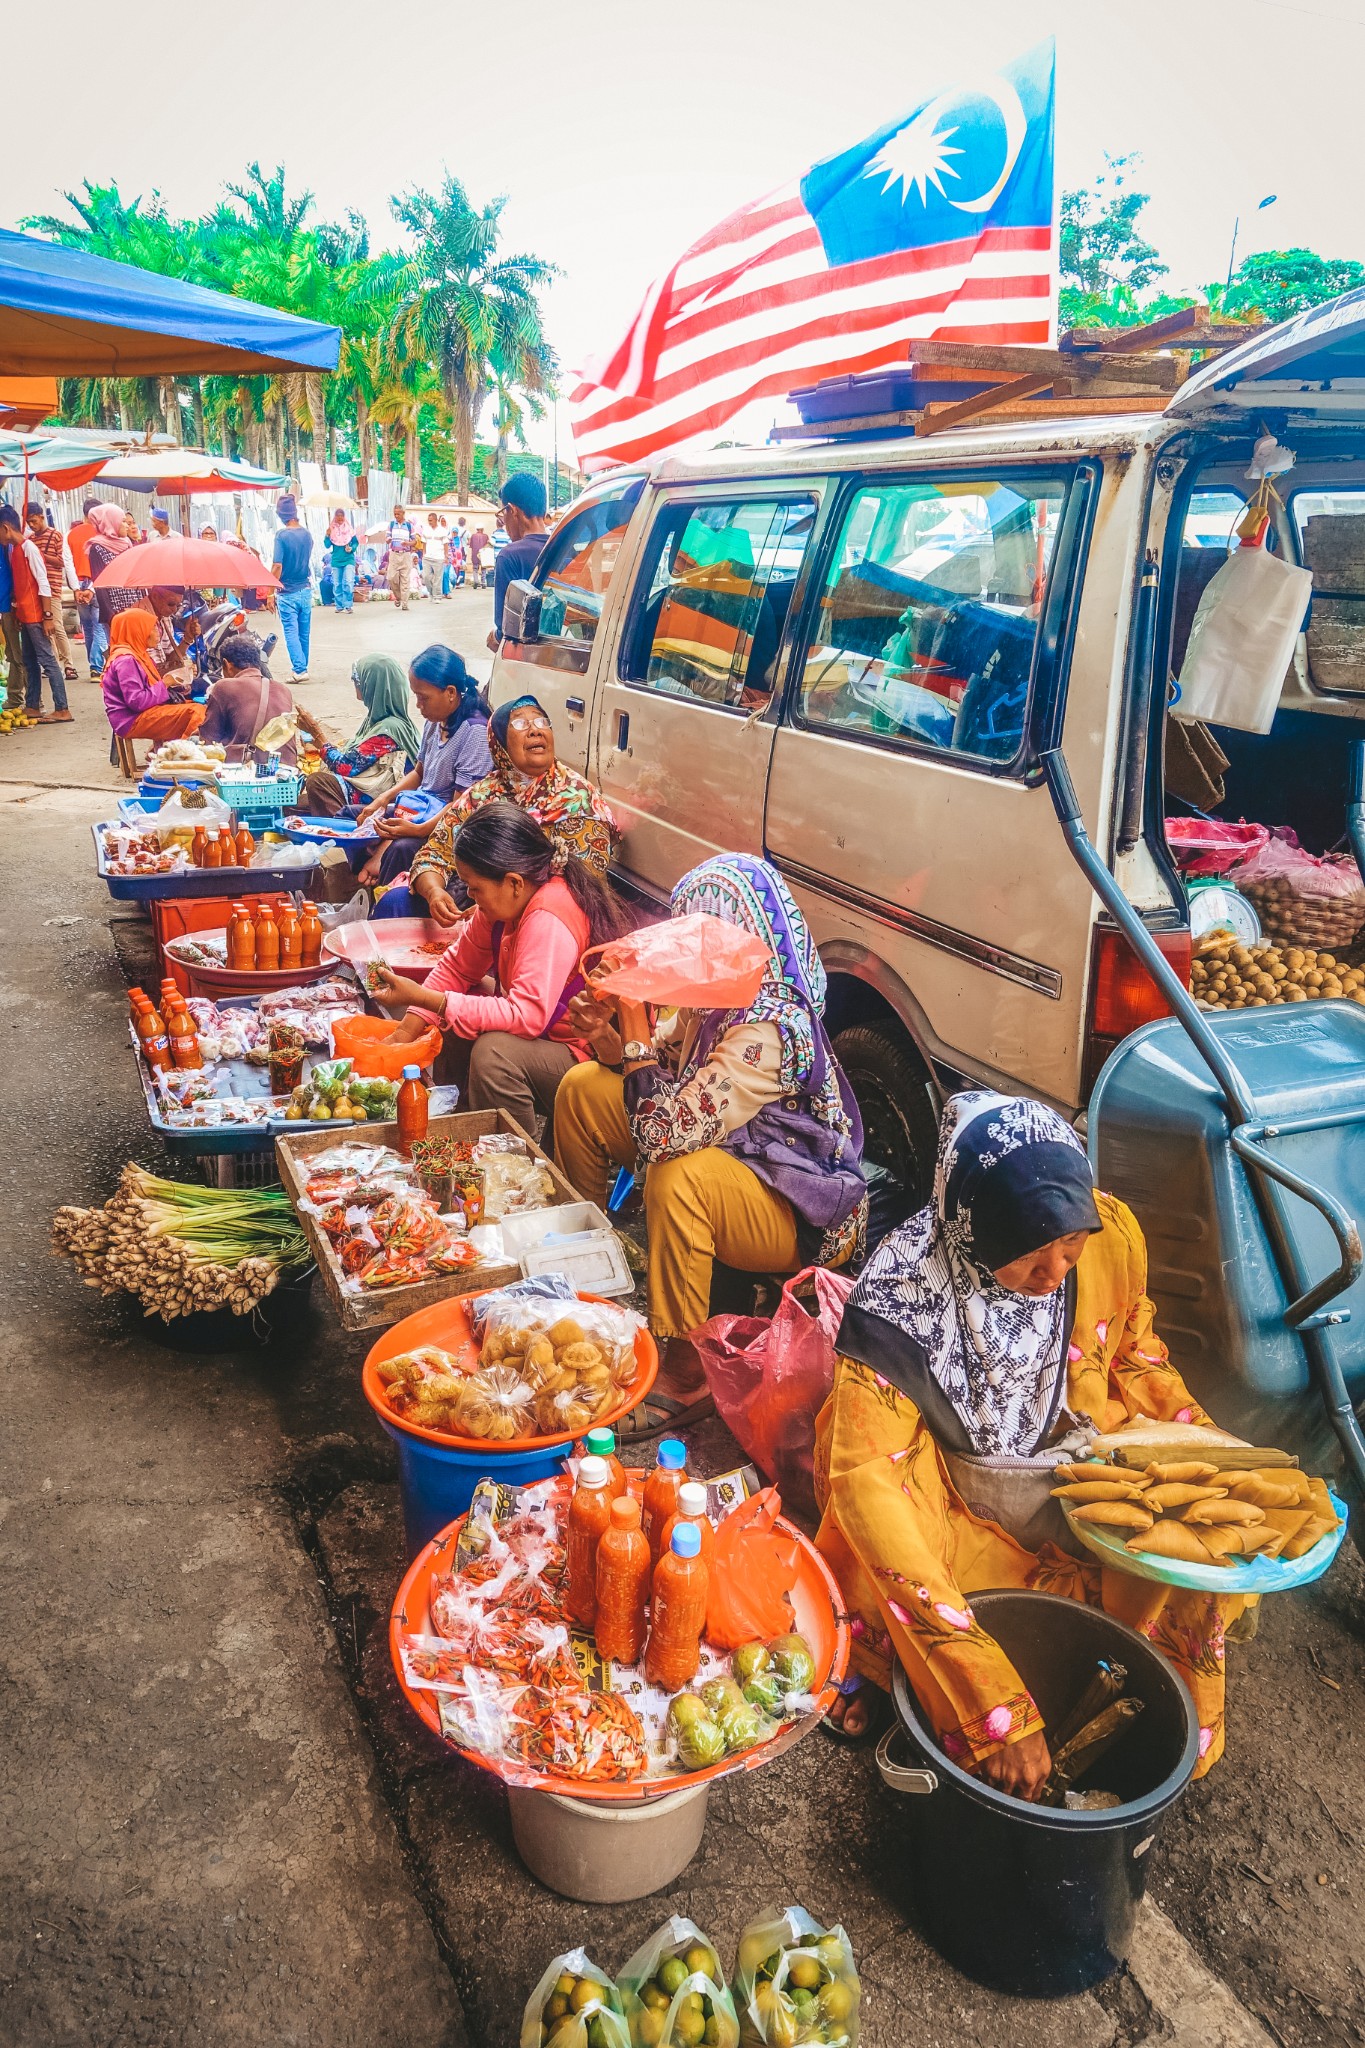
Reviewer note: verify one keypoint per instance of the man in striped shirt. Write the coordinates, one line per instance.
(50, 542)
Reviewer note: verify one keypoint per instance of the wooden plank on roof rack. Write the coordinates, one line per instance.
(1191, 327)
(874, 423)
(937, 360)
(1086, 406)
(939, 418)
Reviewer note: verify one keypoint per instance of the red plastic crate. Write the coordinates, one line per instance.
(174, 916)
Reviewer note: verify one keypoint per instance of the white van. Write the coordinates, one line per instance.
(849, 657)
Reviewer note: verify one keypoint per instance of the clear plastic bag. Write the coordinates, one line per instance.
(575, 2005)
(1242, 641)
(546, 1287)
(795, 1983)
(697, 962)
(672, 1980)
(513, 1321)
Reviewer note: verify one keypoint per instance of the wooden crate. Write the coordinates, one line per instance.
(385, 1305)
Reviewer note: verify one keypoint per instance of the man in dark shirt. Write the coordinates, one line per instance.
(294, 599)
(523, 513)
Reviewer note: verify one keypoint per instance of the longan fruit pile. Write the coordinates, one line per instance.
(1227, 975)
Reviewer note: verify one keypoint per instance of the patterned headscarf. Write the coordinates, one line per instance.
(750, 894)
(1011, 1177)
(562, 803)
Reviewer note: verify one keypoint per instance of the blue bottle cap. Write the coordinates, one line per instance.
(686, 1540)
(673, 1454)
(412, 1073)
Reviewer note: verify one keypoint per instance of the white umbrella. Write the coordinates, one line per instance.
(331, 501)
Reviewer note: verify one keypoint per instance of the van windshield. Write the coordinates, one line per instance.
(928, 617)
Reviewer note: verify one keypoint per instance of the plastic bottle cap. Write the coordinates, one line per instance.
(672, 1454)
(625, 1512)
(686, 1540)
(594, 1472)
(412, 1073)
(691, 1498)
(601, 1443)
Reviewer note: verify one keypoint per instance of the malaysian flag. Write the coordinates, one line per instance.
(941, 224)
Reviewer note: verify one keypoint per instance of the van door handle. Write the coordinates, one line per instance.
(622, 731)
(575, 706)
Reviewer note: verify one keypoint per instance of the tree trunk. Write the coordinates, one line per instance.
(364, 434)
(317, 414)
(383, 428)
(502, 443)
(412, 461)
(197, 401)
(464, 409)
(170, 405)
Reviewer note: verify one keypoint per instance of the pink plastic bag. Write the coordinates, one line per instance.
(1303, 900)
(771, 1377)
(693, 963)
(1210, 846)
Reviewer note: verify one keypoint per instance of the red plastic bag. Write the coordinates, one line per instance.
(690, 963)
(771, 1377)
(1210, 846)
(753, 1569)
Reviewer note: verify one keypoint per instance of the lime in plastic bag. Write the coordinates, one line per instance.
(674, 1993)
(795, 1983)
(575, 2005)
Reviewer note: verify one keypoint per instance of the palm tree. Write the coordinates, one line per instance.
(461, 304)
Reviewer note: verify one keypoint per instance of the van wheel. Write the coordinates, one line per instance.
(900, 1120)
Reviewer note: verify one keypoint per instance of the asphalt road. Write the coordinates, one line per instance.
(220, 1824)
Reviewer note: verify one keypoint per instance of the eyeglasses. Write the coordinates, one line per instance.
(539, 724)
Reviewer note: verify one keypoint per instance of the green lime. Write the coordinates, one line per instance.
(701, 1962)
(836, 2001)
(689, 2029)
(804, 1973)
(648, 2029)
(671, 1974)
(556, 2007)
(652, 1995)
(564, 1984)
(584, 1992)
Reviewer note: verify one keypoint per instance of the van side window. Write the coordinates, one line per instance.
(926, 625)
(577, 566)
(1332, 544)
(712, 599)
(1206, 538)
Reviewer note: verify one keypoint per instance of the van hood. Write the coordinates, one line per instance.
(1314, 363)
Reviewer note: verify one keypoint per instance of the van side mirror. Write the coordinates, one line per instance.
(521, 612)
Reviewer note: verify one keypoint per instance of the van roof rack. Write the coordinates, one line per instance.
(944, 384)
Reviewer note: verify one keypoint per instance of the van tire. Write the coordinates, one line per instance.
(900, 1117)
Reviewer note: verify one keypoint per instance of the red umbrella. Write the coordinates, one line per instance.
(185, 564)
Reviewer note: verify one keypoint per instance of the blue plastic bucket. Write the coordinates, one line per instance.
(438, 1484)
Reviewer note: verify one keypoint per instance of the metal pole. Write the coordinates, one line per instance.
(1232, 252)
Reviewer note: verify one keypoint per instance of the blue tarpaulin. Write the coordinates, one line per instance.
(65, 313)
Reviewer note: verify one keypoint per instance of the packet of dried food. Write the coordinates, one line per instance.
(795, 1983)
(575, 2005)
(670, 1983)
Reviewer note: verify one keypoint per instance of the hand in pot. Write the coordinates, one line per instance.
(1021, 1768)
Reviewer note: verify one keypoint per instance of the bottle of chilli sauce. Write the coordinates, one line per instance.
(677, 1613)
(623, 1579)
(412, 1110)
(589, 1520)
(661, 1492)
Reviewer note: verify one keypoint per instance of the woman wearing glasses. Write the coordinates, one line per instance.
(525, 773)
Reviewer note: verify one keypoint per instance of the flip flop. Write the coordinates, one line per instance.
(661, 1414)
(56, 718)
(878, 1715)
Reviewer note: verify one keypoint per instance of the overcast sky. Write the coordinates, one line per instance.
(622, 129)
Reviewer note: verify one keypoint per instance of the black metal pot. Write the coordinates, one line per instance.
(1029, 1899)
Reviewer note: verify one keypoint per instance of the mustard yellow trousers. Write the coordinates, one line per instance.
(700, 1207)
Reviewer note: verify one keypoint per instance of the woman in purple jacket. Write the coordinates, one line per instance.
(140, 705)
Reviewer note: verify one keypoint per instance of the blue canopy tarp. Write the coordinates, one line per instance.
(65, 313)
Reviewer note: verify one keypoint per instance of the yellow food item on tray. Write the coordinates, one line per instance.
(1227, 1512)
(1096, 1489)
(1113, 1514)
(1174, 1539)
(1192, 1472)
(1176, 1495)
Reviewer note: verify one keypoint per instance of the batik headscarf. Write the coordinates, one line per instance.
(1011, 1177)
(562, 803)
(752, 895)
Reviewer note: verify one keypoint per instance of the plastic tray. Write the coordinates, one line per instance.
(819, 1617)
(191, 881)
(573, 1238)
(327, 832)
(447, 1324)
(399, 941)
(1258, 1575)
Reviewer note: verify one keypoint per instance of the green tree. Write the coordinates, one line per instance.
(1281, 282)
(1105, 260)
(462, 305)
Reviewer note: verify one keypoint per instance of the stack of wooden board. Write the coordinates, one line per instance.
(1334, 549)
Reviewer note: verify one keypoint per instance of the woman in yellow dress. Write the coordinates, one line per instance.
(1006, 1320)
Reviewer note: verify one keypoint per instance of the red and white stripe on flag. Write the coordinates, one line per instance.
(753, 311)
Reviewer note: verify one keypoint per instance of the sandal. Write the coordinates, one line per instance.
(878, 1714)
(662, 1415)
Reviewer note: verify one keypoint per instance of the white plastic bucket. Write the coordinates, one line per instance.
(606, 1854)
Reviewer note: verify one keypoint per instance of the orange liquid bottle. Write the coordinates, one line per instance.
(213, 852)
(692, 1508)
(227, 849)
(291, 937)
(151, 1031)
(197, 845)
(310, 933)
(677, 1613)
(136, 996)
(183, 1036)
(589, 1519)
(245, 846)
(601, 1443)
(623, 1579)
(267, 939)
(241, 937)
(661, 1493)
(412, 1112)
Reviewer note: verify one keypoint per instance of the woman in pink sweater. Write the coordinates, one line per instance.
(536, 912)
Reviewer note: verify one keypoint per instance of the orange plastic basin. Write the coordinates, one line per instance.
(364, 1041)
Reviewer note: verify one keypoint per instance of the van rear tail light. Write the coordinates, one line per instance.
(1123, 995)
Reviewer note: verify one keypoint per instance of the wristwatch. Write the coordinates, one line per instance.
(637, 1050)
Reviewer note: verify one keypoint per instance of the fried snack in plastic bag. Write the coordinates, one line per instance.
(753, 1570)
(673, 1991)
(575, 2005)
(795, 1983)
